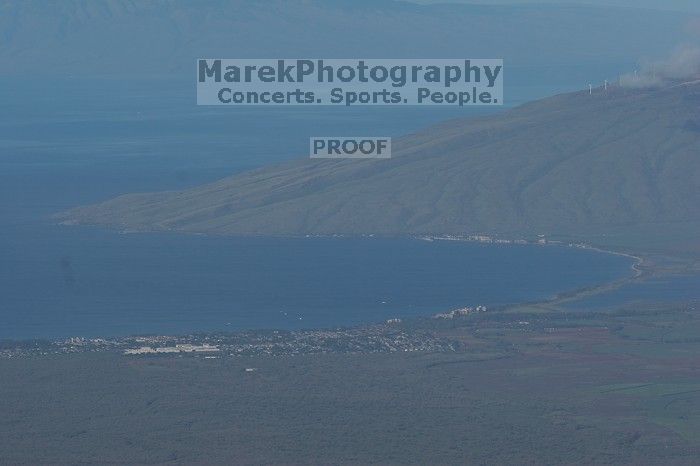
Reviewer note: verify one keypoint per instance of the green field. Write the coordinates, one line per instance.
(614, 390)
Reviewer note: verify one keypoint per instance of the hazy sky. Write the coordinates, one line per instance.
(679, 5)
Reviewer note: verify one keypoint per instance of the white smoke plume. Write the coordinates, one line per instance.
(682, 65)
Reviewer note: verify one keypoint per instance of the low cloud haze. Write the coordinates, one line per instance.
(692, 6)
(682, 65)
(104, 37)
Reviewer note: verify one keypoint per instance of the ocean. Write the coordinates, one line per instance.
(79, 142)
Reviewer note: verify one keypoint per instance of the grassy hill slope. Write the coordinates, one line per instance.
(623, 162)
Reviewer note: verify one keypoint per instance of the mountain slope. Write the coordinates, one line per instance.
(574, 165)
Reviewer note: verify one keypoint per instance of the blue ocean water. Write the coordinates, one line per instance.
(74, 144)
(671, 288)
(65, 281)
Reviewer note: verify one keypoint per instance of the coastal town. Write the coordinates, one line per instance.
(381, 338)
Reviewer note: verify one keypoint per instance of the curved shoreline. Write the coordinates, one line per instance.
(638, 273)
(641, 267)
(640, 270)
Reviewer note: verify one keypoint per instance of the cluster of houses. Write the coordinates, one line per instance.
(183, 348)
(465, 311)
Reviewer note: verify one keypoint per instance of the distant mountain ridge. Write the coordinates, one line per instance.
(158, 37)
(618, 167)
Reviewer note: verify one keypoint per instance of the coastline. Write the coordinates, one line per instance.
(642, 266)
(641, 269)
